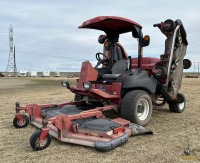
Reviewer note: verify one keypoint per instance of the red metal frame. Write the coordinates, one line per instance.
(88, 73)
(44, 133)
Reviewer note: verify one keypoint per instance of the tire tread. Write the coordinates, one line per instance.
(34, 138)
(15, 120)
(128, 103)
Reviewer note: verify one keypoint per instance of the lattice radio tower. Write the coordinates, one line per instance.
(11, 67)
(196, 66)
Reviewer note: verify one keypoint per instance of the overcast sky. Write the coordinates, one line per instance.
(46, 34)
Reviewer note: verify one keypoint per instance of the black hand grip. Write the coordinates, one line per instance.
(157, 25)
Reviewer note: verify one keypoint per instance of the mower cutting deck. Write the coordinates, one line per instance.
(130, 86)
(76, 123)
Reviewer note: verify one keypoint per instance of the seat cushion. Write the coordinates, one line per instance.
(119, 68)
(110, 76)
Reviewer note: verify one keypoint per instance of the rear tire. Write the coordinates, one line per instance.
(177, 107)
(137, 107)
(35, 138)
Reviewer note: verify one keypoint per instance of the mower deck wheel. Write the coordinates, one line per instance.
(21, 124)
(137, 107)
(177, 107)
(35, 141)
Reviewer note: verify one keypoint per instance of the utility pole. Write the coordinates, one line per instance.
(11, 67)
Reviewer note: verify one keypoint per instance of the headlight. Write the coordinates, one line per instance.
(87, 85)
(65, 84)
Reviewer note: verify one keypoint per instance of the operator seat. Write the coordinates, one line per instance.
(119, 65)
(119, 68)
(118, 59)
(112, 48)
(113, 55)
(118, 53)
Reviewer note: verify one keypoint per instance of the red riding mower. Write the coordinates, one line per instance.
(130, 86)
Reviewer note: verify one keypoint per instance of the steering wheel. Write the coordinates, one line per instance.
(100, 60)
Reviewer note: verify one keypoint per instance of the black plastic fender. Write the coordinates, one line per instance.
(140, 80)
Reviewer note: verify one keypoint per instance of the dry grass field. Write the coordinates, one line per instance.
(172, 132)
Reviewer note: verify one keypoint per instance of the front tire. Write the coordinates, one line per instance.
(177, 107)
(22, 124)
(35, 141)
(137, 107)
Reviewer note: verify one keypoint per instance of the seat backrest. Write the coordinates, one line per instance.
(120, 67)
(123, 52)
(117, 53)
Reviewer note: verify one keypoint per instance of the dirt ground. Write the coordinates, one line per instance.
(172, 132)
